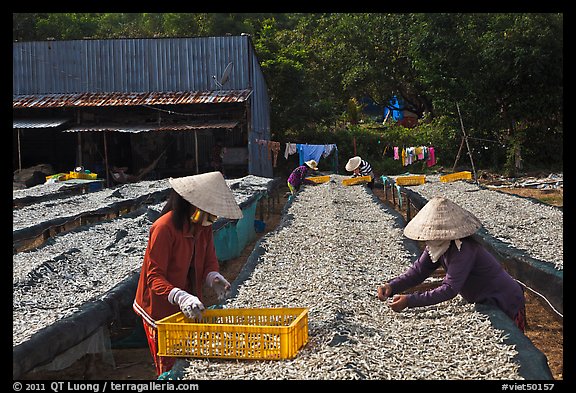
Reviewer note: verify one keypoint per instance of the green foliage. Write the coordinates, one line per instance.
(375, 143)
(505, 71)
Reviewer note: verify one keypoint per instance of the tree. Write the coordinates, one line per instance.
(505, 70)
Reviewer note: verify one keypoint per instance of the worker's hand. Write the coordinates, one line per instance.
(220, 285)
(399, 302)
(189, 304)
(384, 291)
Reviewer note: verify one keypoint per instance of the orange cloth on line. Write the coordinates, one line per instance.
(273, 147)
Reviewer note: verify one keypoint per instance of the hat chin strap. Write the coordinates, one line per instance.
(200, 216)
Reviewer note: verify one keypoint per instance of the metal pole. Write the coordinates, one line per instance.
(467, 145)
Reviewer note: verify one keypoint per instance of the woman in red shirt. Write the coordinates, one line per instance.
(180, 257)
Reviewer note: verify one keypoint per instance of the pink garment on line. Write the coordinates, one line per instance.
(431, 157)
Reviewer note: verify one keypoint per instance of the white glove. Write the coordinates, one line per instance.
(190, 305)
(220, 285)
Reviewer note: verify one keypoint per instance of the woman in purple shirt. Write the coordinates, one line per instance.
(298, 175)
(471, 270)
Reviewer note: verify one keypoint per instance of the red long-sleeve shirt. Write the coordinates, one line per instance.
(167, 260)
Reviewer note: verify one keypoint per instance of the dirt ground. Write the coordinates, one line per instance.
(544, 328)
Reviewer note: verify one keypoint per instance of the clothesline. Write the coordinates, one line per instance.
(272, 147)
(308, 152)
(412, 154)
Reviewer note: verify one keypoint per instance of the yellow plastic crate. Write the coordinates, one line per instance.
(238, 333)
(356, 180)
(318, 179)
(464, 175)
(413, 180)
(80, 175)
(58, 176)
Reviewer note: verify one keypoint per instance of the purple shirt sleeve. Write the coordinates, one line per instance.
(298, 175)
(471, 271)
(457, 271)
(422, 268)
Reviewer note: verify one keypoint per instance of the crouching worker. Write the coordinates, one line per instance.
(471, 270)
(180, 257)
(298, 176)
(360, 167)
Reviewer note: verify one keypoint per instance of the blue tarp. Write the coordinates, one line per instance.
(397, 112)
(231, 238)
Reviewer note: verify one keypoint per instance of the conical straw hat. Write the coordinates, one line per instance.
(353, 163)
(312, 164)
(208, 192)
(441, 219)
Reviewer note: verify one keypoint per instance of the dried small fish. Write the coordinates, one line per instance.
(330, 258)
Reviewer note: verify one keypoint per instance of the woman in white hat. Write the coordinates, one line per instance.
(180, 257)
(298, 175)
(471, 270)
(360, 167)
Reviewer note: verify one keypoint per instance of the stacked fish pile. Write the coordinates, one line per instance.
(54, 281)
(336, 245)
(73, 206)
(72, 269)
(522, 223)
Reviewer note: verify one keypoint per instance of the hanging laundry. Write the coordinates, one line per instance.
(431, 157)
(419, 151)
(274, 148)
(309, 152)
(409, 155)
(290, 149)
(396, 156)
(328, 150)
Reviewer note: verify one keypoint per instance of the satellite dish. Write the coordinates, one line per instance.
(225, 76)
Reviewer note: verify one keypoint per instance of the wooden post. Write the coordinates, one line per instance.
(106, 161)
(19, 152)
(79, 151)
(407, 208)
(467, 145)
(196, 148)
(458, 155)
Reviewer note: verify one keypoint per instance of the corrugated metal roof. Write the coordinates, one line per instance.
(38, 123)
(127, 99)
(198, 125)
(130, 65)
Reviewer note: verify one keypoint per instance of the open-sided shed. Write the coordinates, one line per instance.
(128, 102)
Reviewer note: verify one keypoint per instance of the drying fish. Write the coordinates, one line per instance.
(327, 261)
